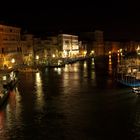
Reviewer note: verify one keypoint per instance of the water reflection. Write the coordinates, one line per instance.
(58, 70)
(10, 114)
(136, 115)
(85, 72)
(70, 103)
(110, 63)
(39, 91)
(2, 118)
(70, 78)
(118, 58)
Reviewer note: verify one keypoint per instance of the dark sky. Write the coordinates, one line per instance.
(118, 19)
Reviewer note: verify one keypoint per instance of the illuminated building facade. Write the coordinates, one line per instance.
(50, 44)
(14, 48)
(69, 45)
(10, 48)
(27, 45)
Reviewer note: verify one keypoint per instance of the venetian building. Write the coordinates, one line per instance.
(10, 49)
(132, 46)
(50, 44)
(87, 43)
(112, 47)
(99, 43)
(69, 45)
(39, 51)
(27, 45)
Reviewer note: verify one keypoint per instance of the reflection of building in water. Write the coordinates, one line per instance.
(110, 62)
(2, 118)
(39, 91)
(13, 108)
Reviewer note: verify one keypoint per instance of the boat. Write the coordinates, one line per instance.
(130, 80)
(55, 64)
(136, 90)
(8, 80)
(128, 74)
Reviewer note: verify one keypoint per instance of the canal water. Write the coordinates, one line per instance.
(77, 102)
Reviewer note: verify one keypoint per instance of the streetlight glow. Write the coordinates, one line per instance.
(37, 57)
(53, 55)
(13, 60)
(138, 50)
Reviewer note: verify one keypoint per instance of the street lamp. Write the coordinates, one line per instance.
(13, 60)
(37, 57)
(85, 52)
(53, 55)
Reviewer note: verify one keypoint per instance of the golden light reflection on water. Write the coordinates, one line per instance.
(39, 91)
(66, 69)
(66, 83)
(70, 78)
(71, 68)
(58, 70)
(18, 103)
(12, 112)
(1, 121)
(93, 75)
(85, 65)
(110, 63)
(93, 61)
(85, 72)
(118, 58)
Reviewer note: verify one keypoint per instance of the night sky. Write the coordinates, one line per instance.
(118, 20)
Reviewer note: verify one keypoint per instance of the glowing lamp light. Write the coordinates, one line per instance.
(53, 55)
(109, 52)
(92, 52)
(37, 57)
(138, 50)
(13, 60)
(85, 52)
(4, 77)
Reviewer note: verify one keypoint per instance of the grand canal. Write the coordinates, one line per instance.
(71, 103)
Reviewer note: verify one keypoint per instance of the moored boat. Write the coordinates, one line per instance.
(3, 96)
(128, 74)
(136, 90)
(8, 78)
(8, 81)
